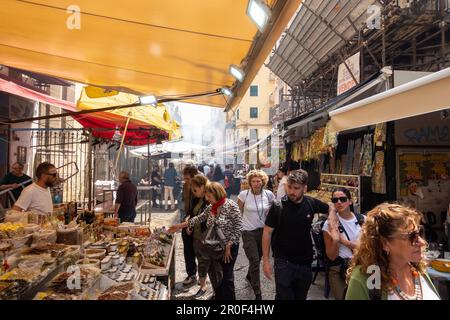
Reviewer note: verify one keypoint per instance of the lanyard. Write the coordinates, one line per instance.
(262, 206)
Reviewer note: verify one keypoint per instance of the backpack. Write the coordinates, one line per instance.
(317, 234)
(278, 206)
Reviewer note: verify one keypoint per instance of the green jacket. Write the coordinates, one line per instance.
(357, 286)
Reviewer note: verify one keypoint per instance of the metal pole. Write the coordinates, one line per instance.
(361, 53)
(383, 40)
(90, 178)
(149, 167)
(136, 104)
(443, 26)
(121, 144)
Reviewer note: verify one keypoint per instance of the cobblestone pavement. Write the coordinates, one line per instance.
(243, 289)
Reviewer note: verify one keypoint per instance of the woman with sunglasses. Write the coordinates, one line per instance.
(340, 240)
(388, 263)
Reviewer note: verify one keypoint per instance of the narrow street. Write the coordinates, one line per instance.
(243, 289)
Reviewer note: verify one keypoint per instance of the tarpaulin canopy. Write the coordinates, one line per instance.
(425, 95)
(18, 90)
(160, 47)
(105, 128)
(148, 124)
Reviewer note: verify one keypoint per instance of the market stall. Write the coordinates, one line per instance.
(91, 257)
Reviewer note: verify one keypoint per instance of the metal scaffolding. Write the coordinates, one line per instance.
(412, 36)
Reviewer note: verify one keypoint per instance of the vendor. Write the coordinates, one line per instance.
(37, 196)
(126, 201)
(13, 180)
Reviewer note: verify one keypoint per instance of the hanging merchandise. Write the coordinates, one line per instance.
(282, 155)
(333, 161)
(316, 144)
(304, 148)
(347, 165)
(356, 157)
(330, 139)
(366, 156)
(380, 135)
(295, 151)
(379, 174)
(338, 166)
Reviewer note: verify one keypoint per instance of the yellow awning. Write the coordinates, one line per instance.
(424, 95)
(157, 116)
(158, 47)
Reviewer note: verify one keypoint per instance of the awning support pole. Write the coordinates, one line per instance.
(121, 144)
(149, 168)
(90, 177)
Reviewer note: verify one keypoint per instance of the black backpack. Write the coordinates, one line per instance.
(317, 235)
(278, 206)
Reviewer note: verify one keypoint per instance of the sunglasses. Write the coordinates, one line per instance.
(412, 236)
(341, 199)
(52, 174)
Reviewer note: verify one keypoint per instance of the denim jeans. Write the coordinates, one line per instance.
(292, 280)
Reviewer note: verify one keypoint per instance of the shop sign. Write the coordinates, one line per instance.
(345, 79)
(424, 130)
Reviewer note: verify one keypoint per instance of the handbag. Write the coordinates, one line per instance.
(212, 240)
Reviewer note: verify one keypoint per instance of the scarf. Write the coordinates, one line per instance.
(217, 205)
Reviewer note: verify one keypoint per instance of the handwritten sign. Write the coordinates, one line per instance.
(345, 79)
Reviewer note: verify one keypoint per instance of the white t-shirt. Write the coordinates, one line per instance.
(206, 170)
(281, 191)
(427, 292)
(352, 228)
(37, 198)
(256, 208)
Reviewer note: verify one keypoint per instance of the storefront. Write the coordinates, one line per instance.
(417, 159)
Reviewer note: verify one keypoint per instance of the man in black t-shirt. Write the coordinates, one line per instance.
(288, 229)
(13, 179)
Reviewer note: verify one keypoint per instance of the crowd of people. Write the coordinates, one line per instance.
(281, 221)
(387, 243)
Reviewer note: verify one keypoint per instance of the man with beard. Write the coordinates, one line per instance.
(290, 223)
(37, 196)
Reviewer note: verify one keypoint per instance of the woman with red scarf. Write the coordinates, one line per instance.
(225, 213)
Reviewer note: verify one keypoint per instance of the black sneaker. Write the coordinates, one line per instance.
(189, 280)
(200, 293)
(258, 297)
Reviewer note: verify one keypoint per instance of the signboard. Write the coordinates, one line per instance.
(425, 130)
(345, 80)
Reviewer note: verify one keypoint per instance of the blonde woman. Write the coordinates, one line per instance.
(225, 214)
(254, 204)
(391, 245)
